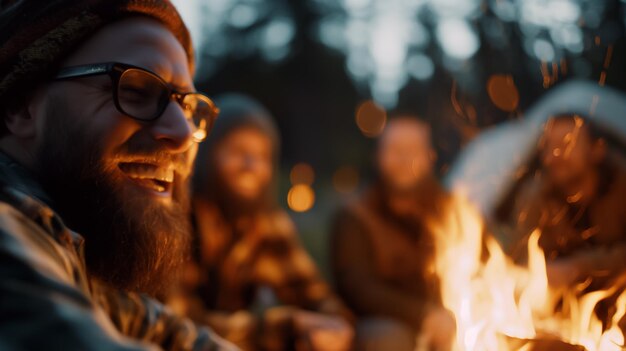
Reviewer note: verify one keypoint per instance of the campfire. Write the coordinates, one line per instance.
(500, 306)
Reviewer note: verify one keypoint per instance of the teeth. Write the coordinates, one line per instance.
(148, 171)
(151, 184)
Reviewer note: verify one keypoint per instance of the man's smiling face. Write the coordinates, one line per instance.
(120, 182)
(144, 152)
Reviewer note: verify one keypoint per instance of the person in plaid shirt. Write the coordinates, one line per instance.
(263, 290)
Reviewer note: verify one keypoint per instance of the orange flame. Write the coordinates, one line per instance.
(497, 303)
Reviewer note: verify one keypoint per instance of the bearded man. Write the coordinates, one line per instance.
(100, 129)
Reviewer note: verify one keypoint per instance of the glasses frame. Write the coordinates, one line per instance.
(115, 70)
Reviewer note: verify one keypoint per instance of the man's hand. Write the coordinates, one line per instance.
(318, 332)
(439, 329)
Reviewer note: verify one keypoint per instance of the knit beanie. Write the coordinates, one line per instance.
(37, 35)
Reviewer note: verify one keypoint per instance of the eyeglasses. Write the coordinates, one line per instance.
(144, 96)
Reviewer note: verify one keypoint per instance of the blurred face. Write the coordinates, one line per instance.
(405, 156)
(244, 161)
(120, 182)
(568, 153)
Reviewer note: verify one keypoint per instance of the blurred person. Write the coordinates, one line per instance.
(100, 128)
(383, 249)
(574, 195)
(262, 289)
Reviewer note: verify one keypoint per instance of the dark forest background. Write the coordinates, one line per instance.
(313, 96)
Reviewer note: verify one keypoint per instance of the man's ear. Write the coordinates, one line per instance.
(20, 122)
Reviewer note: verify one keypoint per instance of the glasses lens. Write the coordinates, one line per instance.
(141, 95)
(200, 110)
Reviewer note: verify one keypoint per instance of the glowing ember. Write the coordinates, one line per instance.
(503, 92)
(371, 118)
(501, 306)
(301, 198)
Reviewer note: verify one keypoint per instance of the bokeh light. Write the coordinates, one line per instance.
(420, 67)
(377, 37)
(388, 42)
(457, 38)
(544, 50)
(503, 92)
(371, 118)
(238, 29)
(301, 198)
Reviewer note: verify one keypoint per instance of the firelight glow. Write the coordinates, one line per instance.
(301, 198)
(500, 306)
(371, 118)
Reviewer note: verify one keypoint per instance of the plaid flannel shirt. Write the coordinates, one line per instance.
(47, 301)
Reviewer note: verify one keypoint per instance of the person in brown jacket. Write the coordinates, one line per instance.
(262, 289)
(383, 252)
(574, 194)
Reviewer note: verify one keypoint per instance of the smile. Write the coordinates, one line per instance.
(156, 178)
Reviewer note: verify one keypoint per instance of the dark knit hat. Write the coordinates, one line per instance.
(37, 35)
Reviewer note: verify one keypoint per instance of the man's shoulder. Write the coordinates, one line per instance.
(28, 243)
(15, 223)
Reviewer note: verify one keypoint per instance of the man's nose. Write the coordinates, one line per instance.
(173, 129)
